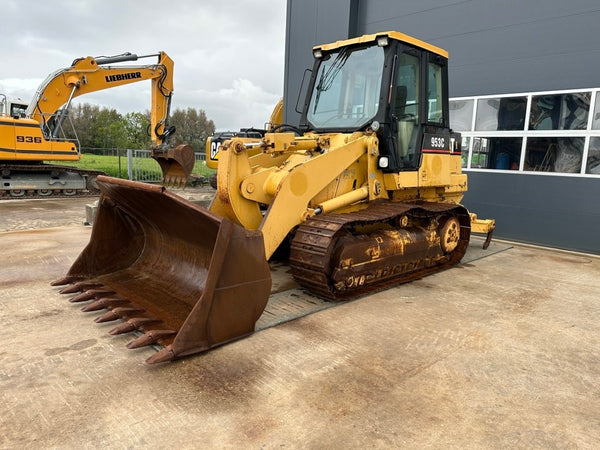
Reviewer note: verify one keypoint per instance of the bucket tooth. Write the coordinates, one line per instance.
(164, 355)
(150, 337)
(64, 280)
(132, 324)
(175, 182)
(90, 294)
(126, 327)
(105, 303)
(70, 289)
(117, 313)
(80, 286)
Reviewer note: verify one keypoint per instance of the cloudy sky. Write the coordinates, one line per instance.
(228, 54)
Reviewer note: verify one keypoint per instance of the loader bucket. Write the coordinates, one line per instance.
(185, 278)
(176, 164)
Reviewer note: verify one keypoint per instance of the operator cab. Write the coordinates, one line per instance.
(12, 107)
(390, 83)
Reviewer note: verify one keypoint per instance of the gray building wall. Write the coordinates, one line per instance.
(495, 47)
(499, 47)
(560, 212)
(311, 22)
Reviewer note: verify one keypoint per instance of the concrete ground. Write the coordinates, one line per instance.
(500, 352)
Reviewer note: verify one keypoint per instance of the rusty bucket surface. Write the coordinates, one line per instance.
(182, 276)
(176, 164)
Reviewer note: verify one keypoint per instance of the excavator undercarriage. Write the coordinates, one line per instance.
(43, 180)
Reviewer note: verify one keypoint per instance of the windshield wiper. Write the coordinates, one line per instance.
(328, 76)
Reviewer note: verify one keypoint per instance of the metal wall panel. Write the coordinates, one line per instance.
(495, 47)
(311, 22)
(555, 211)
(500, 47)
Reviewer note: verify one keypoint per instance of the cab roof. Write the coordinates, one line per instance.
(391, 34)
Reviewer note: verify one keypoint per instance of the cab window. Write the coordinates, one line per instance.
(407, 108)
(435, 102)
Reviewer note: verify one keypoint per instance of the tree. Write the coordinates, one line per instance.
(108, 129)
(97, 127)
(137, 126)
(82, 116)
(192, 127)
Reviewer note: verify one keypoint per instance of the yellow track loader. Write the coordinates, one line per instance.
(363, 195)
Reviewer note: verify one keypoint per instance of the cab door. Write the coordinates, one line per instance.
(419, 106)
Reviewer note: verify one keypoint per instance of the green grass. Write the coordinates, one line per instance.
(108, 164)
(116, 166)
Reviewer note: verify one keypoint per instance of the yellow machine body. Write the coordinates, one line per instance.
(22, 140)
(364, 194)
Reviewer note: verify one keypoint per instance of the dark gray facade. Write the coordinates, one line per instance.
(495, 48)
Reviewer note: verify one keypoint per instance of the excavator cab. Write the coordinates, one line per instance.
(367, 190)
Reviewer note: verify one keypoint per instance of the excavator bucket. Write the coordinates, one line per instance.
(175, 273)
(176, 164)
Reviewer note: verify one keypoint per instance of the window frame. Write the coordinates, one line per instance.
(588, 133)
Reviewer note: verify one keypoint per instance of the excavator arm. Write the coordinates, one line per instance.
(52, 99)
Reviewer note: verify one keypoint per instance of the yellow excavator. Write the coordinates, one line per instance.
(31, 134)
(364, 194)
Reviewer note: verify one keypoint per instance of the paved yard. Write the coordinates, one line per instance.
(500, 352)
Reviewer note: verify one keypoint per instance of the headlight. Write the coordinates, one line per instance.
(383, 41)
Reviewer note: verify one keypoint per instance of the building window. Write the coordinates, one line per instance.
(500, 153)
(465, 145)
(537, 132)
(593, 159)
(501, 114)
(560, 111)
(596, 118)
(554, 154)
(461, 114)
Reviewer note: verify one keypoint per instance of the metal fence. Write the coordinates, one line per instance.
(138, 165)
(141, 167)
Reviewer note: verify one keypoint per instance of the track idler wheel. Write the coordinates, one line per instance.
(449, 234)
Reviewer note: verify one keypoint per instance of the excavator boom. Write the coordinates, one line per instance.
(87, 75)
